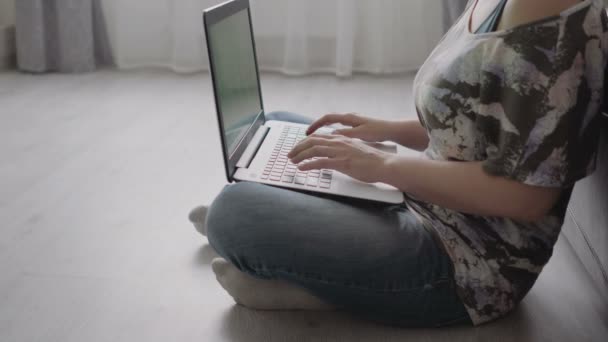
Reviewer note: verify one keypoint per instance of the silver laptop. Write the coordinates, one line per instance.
(254, 149)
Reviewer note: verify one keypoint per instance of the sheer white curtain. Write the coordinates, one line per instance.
(292, 36)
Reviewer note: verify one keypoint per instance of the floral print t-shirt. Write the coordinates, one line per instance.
(526, 103)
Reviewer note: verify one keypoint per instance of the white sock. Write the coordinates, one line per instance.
(263, 294)
(197, 216)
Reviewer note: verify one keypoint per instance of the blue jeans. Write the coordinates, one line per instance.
(371, 259)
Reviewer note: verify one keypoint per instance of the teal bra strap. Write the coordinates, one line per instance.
(491, 23)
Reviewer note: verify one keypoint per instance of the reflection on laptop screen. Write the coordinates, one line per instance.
(235, 76)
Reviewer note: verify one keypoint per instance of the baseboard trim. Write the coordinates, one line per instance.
(585, 252)
(7, 47)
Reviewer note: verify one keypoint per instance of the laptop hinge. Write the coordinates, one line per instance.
(253, 147)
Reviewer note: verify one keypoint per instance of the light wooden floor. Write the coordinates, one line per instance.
(97, 175)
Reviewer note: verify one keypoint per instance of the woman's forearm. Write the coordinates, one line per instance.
(466, 187)
(410, 134)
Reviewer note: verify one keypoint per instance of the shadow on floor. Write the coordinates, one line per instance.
(241, 324)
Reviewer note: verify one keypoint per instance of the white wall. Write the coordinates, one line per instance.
(7, 12)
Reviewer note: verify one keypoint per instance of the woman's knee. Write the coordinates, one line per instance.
(241, 226)
(222, 217)
(234, 215)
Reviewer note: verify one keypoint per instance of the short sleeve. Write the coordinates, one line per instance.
(550, 131)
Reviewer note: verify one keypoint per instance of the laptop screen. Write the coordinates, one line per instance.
(236, 78)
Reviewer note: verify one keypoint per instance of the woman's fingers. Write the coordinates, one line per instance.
(317, 139)
(323, 136)
(325, 120)
(315, 152)
(349, 132)
(320, 164)
(330, 119)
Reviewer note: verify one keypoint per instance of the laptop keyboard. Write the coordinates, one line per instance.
(280, 169)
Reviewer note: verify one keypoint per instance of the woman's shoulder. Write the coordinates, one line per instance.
(522, 12)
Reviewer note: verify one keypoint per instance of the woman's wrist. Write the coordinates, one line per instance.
(392, 171)
(394, 130)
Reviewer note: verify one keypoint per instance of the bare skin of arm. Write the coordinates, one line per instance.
(462, 186)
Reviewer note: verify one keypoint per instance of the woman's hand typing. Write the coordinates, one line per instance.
(340, 153)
